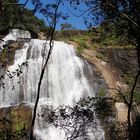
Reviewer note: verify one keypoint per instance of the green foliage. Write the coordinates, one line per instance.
(69, 34)
(114, 33)
(102, 93)
(81, 38)
(18, 124)
(66, 26)
(15, 123)
(76, 120)
(117, 131)
(104, 109)
(136, 97)
(102, 56)
(128, 79)
(21, 18)
(82, 42)
(107, 34)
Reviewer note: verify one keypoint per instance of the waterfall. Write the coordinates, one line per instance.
(67, 78)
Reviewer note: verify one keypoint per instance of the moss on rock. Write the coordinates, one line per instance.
(15, 123)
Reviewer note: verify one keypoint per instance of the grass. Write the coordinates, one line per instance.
(102, 56)
(81, 38)
(102, 93)
(81, 41)
(116, 42)
(87, 40)
(128, 79)
(137, 97)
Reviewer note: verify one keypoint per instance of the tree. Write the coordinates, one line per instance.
(52, 15)
(20, 17)
(128, 10)
(114, 33)
(75, 121)
(66, 26)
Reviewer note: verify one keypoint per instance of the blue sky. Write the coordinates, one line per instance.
(77, 22)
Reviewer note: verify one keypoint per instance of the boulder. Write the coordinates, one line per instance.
(42, 36)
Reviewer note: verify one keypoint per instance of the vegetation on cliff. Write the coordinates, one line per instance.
(108, 34)
(20, 17)
(15, 123)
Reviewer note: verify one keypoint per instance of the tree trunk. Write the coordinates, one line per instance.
(133, 88)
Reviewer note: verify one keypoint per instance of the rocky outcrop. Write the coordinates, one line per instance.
(124, 60)
(114, 64)
(110, 74)
(121, 112)
(42, 36)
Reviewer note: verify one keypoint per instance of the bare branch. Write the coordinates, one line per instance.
(121, 13)
(120, 92)
(83, 12)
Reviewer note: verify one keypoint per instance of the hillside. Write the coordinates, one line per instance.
(21, 18)
(112, 51)
(112, 63)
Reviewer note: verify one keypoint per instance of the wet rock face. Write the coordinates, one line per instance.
(126, 60)
(123, 60)
(15, 123)
(95, 78)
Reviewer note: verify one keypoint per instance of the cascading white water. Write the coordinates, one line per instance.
(66, 80)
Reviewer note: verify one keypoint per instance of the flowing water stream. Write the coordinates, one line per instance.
(67, 79)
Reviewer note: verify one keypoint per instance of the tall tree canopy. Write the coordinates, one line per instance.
(19, 17)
